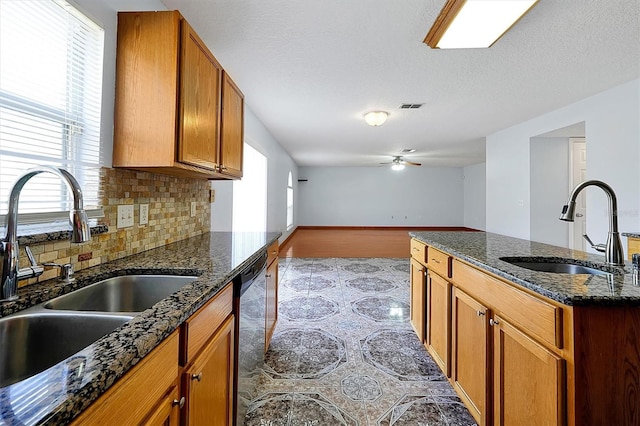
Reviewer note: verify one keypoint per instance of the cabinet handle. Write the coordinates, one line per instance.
(493, 322)
(274, 252)
(197, 377)
(437, 261)
(268, 275)
(480, 313)
(223, 168)
(179, 403)
(416, 249)
(420, 270)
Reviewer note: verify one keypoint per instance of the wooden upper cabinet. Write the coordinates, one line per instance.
(168, 112)
(200, 76)
(232, 132)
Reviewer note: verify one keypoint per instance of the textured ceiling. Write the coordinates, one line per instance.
(310, 69)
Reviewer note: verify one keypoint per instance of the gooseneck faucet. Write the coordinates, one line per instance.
(10, 274)
(613, 252)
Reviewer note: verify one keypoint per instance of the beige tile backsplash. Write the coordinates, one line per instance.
(169, 199)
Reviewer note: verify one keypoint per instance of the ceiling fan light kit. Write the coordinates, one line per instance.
(397, 167)
(376, 118)
(398, 163)
(475, 23)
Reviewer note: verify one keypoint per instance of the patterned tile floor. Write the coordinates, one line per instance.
(344, 352)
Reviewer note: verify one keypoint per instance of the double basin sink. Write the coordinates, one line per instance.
(42, 336)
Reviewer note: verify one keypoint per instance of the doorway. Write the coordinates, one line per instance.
(552, 177)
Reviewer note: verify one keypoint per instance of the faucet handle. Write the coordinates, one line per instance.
(598, 247)
(32, 271)
(32, 259)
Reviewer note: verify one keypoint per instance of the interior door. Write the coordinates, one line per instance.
(578, 174)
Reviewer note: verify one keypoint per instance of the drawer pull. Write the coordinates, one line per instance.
(179, 403)
(435, 260)
(197, 377)
(480, 313)
(268, 275)
(493, 322)
(416, 249)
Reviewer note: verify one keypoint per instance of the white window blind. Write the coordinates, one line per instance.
(50, 98)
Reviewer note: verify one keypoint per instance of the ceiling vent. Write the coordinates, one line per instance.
(410, 106)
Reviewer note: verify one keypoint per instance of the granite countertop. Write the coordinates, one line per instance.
(631, 234)
(484, 250)
(60, 393)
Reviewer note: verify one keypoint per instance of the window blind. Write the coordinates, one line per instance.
(50, 98)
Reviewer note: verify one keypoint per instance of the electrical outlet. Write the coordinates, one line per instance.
(212, 195)
(125, 216)
(193, 208)
(144, 214)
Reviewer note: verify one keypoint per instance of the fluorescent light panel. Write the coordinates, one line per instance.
(475, 23)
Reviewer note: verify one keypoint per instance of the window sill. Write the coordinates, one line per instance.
(40, 233)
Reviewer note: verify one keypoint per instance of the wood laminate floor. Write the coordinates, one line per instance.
(329, 242)
(349, 243)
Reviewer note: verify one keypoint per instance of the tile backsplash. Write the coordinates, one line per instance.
(169, 199)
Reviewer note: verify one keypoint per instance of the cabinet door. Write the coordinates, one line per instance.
(470, 368)
(438, 323)
(200, 78)
(232, 128)
(528, 379)
(418, 303)
(167, 413)
(208, 381)
(272, 302)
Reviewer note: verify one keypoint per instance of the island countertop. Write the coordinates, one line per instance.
(60, 393)
(484, 250)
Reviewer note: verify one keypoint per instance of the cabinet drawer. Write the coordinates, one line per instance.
(272, 252)
(439, 262)
(201, 325)
(538, 317)
(419, 251)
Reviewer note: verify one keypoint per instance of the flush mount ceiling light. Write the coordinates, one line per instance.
(376, 118)
(475, 23)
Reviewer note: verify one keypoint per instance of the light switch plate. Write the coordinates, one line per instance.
(144, 214)
(193, 208)
(125, 216)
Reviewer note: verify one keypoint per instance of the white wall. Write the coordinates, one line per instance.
(613, 154)
(279, 163)
(549, 189)
(379, 196)
(475, 205)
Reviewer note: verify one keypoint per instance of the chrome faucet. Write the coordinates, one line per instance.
(613, 252)
(80, 232)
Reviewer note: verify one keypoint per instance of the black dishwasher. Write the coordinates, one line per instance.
(249, 291)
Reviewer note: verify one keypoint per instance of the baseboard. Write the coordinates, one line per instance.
(286, 240)
(385, 228)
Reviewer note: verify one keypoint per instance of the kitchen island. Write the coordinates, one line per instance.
(60, 393)
(522, 346)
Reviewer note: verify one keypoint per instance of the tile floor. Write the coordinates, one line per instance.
(344, 353)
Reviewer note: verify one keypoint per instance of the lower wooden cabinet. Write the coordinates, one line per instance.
(439, 320)
(528, 379)
(141, 396)
(207, 382)
(470, 368)
(418, 303)
(155, 393)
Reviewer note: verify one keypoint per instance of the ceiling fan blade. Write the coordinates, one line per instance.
(411, 163)
(386, 163)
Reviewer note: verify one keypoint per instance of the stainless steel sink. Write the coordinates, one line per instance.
(31, 343)
(556, 265)
(127, 293)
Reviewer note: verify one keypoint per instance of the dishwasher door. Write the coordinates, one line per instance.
(250, 304)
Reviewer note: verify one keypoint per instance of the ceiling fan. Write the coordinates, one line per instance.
(398, 163)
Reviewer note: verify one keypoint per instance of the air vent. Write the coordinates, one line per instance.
(410, 106)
